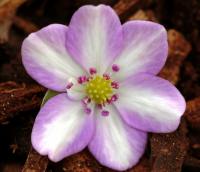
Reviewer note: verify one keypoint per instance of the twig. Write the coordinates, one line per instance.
(125, 8)
(25, 25)
(8, 9)
(143, 15)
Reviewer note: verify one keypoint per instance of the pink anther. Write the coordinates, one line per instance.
(115, 68)
(82, 79)
(114, 98)
(106, 76)
(69, 85)
(92, 71)
(88, 111)
(104, 113)
(115, 84)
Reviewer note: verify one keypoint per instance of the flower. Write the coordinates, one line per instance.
(109, 96)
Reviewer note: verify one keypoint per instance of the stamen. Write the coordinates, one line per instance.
(82, 79)
(106, 76)
(114, 98)
(69, 85)
(92, 71)
(104, 113)
(88, 111)
(115, 84)
(115, 68)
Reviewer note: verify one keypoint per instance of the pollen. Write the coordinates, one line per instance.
(99, 89)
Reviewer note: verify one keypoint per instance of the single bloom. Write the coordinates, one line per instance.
(109, 95)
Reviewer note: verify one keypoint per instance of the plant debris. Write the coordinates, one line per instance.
(21, 97)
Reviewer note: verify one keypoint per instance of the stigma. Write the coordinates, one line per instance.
(99, 89)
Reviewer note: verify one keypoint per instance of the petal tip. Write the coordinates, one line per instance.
(117, 166)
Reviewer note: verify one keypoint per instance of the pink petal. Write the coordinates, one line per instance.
(94, 37)
(145, 49)
(61, 128)
(46, 58)
(150, 103)
(115, 144)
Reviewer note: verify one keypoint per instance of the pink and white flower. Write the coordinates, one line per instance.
(110, 96)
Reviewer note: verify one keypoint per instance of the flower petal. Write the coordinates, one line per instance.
(150, 103)
(46, 59)
(76, 92)
(145, 49)
(115, 144)
(61, 128)
(94, 37)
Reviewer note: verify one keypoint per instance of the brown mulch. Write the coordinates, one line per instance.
(20, 96)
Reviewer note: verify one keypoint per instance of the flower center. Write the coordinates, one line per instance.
(99, 89)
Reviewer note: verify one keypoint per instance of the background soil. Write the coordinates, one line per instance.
(20, 96)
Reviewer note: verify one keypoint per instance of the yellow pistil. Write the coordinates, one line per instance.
(99, 89)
